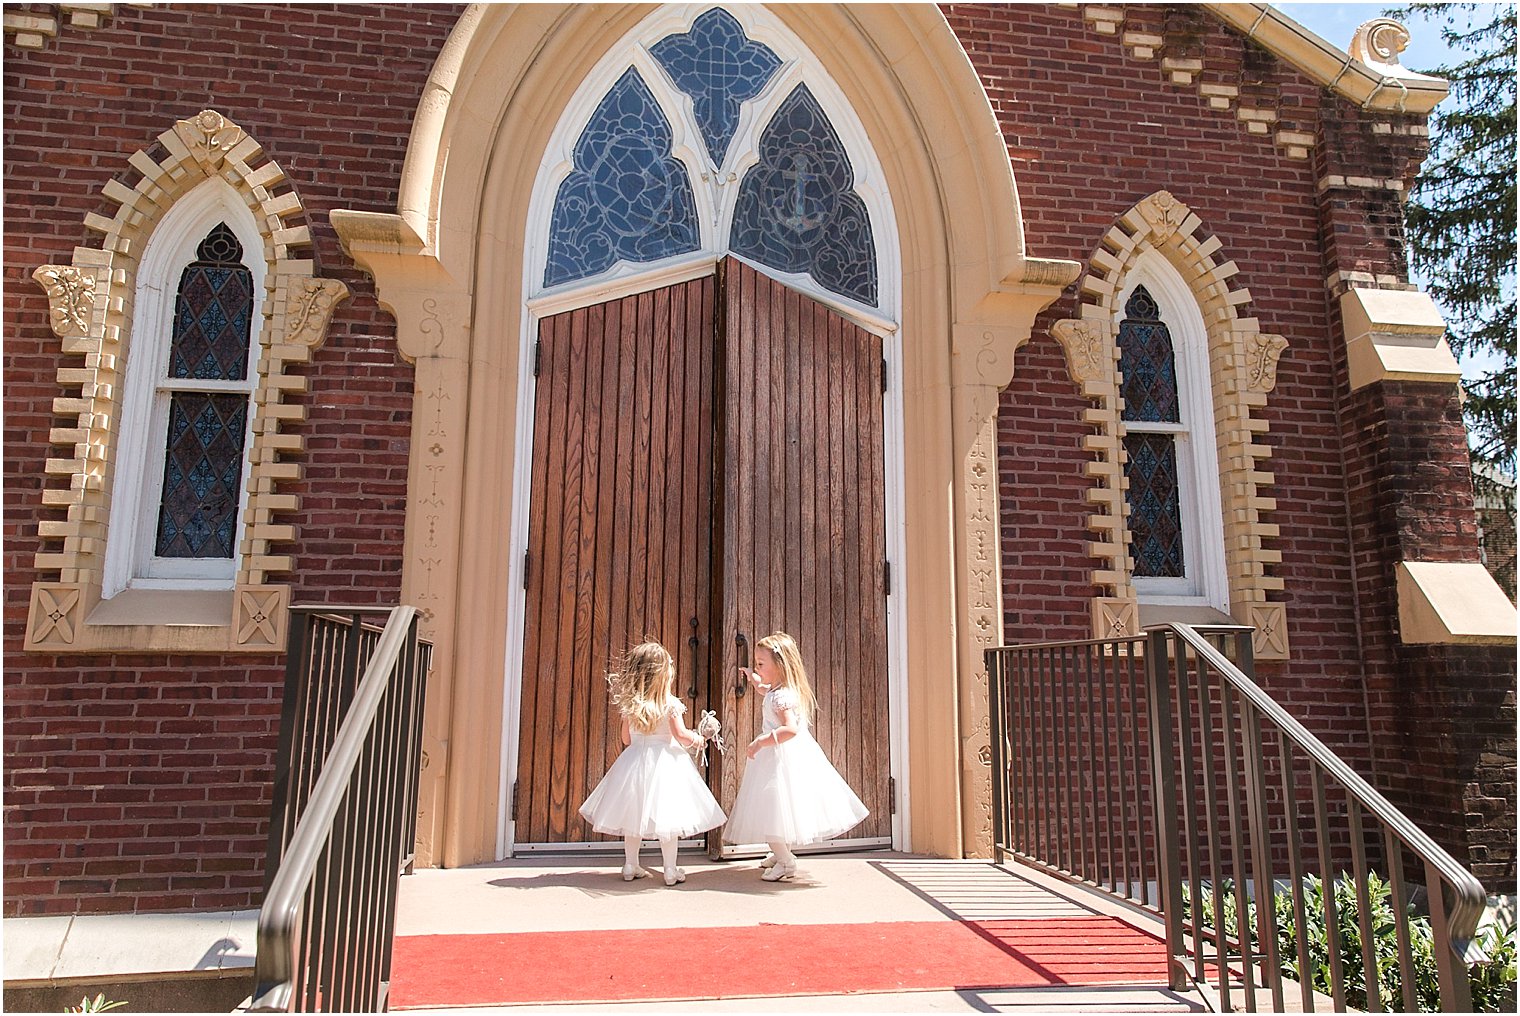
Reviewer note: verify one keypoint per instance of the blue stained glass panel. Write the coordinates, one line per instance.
(1147, 361)
(203, 469)
(213, 312)
(720, 69)
(627, 198)
(796, 210)
(1155, 511)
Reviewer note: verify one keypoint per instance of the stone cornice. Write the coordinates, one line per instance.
(1382, 85)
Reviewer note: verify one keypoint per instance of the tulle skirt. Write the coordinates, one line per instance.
(653, 791)
(792, 794)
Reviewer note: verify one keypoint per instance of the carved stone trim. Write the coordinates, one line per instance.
(259, 616)
(1189, 72)
(1262, 353)
(54, 617)
(1164, 213)
(310, 308)
(1243, 363)
(90, 310)
(71, 299)
(1089, 349)
(1115, 618)
(1270, 639)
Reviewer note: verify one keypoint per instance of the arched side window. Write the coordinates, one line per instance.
(1178, 372)
(1171, 465)
(705, 134)
(187, 411)
(164, 524)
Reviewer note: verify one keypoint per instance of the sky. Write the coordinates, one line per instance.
(1336, 23)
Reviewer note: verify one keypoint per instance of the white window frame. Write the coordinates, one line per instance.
(138, 485)
(1205, 579)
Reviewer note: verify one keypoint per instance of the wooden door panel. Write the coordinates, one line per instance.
(619, 532)
(803, 526)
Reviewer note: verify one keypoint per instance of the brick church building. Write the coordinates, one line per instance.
(912, 330)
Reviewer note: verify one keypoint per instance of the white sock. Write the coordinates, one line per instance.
(783, 853)
(631, 846)
(668, 851)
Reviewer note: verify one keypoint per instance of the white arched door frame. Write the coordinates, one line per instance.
(716, 199)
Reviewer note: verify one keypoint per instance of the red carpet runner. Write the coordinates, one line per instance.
(434, 971)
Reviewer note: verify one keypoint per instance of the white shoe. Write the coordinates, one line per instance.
(769, 861)
(780, 872)
(631, 872)
(674, 875)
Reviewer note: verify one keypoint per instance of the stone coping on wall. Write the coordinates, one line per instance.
(71, 947)
(1452, 603)
(1396, 335)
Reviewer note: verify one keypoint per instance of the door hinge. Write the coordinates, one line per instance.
(884, 375)
(886, 576)
(891, 797)
(538, 354)
(527, 567)
(514, 801)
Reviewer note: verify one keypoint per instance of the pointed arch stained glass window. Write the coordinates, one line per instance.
(627, 198)
(1148, 364)
(1155, 508)
(212, 312)
(1147, 361)
(720, 69)
(203, 455)
(797, 211)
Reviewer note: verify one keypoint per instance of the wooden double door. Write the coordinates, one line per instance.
(707, 469)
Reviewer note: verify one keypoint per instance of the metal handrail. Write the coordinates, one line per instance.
(1456, 925)
(279, 968)
(1140, 764)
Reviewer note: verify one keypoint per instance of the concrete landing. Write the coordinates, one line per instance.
(586, 893)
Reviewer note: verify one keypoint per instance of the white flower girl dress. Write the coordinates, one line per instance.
(790, 792)
(653, 789)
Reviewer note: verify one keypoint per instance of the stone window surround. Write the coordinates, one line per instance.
(91, 311)
(1243, 362)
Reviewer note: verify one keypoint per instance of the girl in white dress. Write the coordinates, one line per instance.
(653, 790)
(790, 794)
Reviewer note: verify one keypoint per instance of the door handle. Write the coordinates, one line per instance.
(741, 685)
(693, 642)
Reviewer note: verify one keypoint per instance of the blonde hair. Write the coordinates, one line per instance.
(793, 674)
(640, 687)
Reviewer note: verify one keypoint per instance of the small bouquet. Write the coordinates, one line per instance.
(711, 729)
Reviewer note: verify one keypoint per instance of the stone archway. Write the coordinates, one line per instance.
(448, 265)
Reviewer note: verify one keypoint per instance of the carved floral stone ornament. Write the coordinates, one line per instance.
(1263, 352)
(216, 132)
(1164, 213)
(311, 306)
(1379, 42)
(71, 299)
(1089, 349)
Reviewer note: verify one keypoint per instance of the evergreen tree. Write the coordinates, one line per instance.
(1461, 216)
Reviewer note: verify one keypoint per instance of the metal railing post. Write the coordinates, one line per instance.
(996, 720)
(1164, 790)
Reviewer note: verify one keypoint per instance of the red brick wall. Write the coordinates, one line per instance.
(1080, 161)
(142, 782)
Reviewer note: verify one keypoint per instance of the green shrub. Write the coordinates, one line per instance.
(1492, 980)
